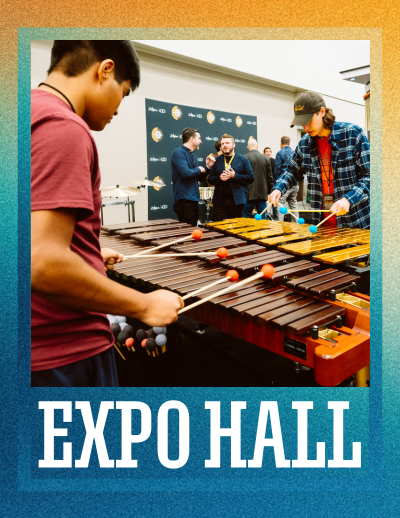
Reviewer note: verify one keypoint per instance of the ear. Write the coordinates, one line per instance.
(105, 70)
(322, 111)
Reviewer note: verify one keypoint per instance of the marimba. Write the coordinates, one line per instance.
(291, 315)
(345, 248)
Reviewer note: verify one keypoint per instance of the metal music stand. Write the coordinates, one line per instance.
(128, 203)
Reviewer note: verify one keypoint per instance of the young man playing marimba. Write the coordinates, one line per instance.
(336, 158)
(71, 294)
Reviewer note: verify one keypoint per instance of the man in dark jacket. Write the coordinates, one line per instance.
(263, 180)
(230, 173)
(186, 173)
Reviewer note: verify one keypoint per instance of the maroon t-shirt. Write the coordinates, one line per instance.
(65, 174)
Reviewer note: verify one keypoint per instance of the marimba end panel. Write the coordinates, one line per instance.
(332, 365)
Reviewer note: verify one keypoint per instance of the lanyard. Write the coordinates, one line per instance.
(230, 161)
(59, 91)
(322, 166)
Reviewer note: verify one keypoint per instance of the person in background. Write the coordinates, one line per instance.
(282, 161)
(230, 173)
(263, 180)
(186, 175)
(336, 158)
(268, 152)
(217, 149)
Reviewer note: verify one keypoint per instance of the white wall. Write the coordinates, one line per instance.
(305, 65)
(122, 144)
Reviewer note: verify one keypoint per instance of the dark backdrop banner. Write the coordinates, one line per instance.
(164, 125)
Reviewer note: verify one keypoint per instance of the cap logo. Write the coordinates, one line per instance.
(297, 108)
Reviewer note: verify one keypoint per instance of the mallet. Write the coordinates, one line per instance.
(231, 275)
(196, 235)
(222, 253)
(267, 271)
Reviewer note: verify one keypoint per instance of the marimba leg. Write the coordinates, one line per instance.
(363, 377)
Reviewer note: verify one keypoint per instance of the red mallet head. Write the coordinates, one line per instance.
(233, 275)
(197, 234)
(222, 252)
(268, 271)
(144, 343)
(129, 342)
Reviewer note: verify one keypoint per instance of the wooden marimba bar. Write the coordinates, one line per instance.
(283, 318)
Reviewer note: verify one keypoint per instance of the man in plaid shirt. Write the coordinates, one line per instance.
(335, 156)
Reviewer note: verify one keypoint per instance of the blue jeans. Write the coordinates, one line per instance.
(259, 205)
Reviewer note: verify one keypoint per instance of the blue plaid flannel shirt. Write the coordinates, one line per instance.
(350, 163)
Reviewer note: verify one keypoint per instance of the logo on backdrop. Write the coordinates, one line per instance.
(239, 121)
(198, 115)
(154, 159)
(157, 134)
(176, 112)
(253, 123)
(212, 138)
(225, 120)
(151, 109)
(158, 179)
(172, 135)
(211, 117)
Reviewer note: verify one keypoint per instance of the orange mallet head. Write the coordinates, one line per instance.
(197, 234)
(268, 271)
(233, 275)
(222, 252)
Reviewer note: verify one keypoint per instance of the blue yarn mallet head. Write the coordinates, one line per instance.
(283, 210)
(301, 221)
(257, 217)
(313, 229)
(161, 340)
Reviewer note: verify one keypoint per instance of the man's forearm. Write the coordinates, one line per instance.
(69, 281)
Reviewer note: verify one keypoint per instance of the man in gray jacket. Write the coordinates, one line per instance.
(263, 180)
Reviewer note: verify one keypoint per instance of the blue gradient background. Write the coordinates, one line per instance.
(192, 490)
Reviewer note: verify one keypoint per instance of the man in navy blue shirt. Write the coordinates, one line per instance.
(282, 161)
(230, 173)
(186, 173)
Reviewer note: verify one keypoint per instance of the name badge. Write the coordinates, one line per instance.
(327, 201)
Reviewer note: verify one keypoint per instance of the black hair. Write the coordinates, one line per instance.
(74, 57)
(266, 148)
(187, 134)
(218, 146)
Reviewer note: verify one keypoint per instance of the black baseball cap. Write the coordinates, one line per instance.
(305, 106)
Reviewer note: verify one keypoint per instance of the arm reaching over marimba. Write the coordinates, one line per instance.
(63, 277)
